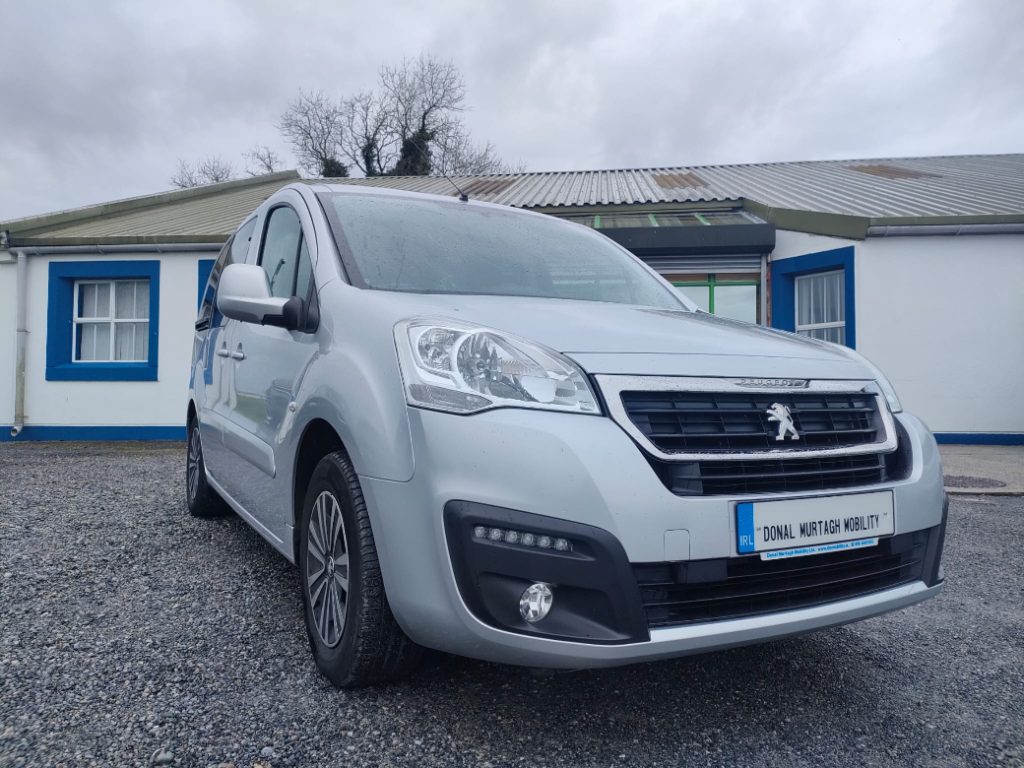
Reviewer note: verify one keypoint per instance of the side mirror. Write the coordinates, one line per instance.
(243, 294)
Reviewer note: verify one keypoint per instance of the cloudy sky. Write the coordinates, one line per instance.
(100, 99)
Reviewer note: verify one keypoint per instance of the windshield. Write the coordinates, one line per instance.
(428, 246)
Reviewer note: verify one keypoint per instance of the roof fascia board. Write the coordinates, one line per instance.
(812, 222)
(45, 221)
(115, 248)
(61, 242)
(924, 221)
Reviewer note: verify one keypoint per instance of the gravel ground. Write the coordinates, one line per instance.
(131, 634)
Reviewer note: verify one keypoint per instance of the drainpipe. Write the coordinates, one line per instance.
(21, 332)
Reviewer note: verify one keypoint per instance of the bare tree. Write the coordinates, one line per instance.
(260, 160)
(186, 176)
(368, 141)
(411, 124)
(457, 155)
(214, 169)
(315, 126)
(208, 171)
(424, 96)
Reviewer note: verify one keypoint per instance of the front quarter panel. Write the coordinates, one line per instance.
(356, 385)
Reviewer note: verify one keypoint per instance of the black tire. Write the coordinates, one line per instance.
(364, 645)
(202, 500)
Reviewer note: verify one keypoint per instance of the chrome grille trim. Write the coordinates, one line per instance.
(612, 387)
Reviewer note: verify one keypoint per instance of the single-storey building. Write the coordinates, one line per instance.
(918, 263)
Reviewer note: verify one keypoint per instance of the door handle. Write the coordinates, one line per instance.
(238, 354)
(223, 351)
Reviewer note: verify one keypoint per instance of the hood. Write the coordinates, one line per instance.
(619, 338)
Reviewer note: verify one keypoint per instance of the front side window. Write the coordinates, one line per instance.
(111, 321)
(821, 306)
(280, 256)
(426, 246)
(233, 252)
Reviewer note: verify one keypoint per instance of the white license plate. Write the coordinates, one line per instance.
(794, 527)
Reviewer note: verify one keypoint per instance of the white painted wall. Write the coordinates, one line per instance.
(944, 318)
(94, 403)
(789, 244)
(8, 283)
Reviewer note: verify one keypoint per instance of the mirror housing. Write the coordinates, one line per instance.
(243, 294)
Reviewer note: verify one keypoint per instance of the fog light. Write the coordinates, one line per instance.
(536, 602)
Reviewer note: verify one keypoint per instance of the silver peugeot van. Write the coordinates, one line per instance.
(498, 434)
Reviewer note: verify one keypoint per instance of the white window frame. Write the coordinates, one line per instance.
(110, 319)
(798, 327)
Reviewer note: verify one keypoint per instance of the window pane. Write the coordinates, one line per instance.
(240, 245)
(689, 277)
(614, 221)
(677, 220)
(142, 300)
(820, 299)
(737, 302)
(281, 250)
(86, 300)
(93, 300)
(699, 294)
(124, 299)
(93, 341)
(836, 334)
(131, 341)
(131, 299)
(305, 275)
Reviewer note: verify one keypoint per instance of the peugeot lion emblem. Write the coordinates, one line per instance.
(780, 413)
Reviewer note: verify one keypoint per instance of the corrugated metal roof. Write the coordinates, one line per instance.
(208, 213)
(972, 185)
(798, 195)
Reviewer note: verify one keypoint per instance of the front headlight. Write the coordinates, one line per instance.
(460, 368)
(883, 383)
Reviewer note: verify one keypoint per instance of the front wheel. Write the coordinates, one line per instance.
(353, 635)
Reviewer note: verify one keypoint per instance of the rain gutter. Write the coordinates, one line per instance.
(920, 230)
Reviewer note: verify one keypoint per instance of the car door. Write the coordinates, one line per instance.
(210, 369)
(268, 365)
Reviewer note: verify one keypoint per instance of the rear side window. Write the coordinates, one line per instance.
(234, 251)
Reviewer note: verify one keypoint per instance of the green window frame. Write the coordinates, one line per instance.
(711, 283)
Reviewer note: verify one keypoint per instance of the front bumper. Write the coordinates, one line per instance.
(585, 470)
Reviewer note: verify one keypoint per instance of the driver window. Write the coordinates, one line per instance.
(280, 254)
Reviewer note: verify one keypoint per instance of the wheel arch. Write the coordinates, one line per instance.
(318, 439)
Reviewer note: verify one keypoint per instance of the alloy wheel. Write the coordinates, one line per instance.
(327, 569)
(192, 467)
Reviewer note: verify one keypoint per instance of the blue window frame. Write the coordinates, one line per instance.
(60, 321)
(785, 273)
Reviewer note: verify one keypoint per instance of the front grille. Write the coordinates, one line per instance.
(771, 475)
(678, 422)
(728, 588)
